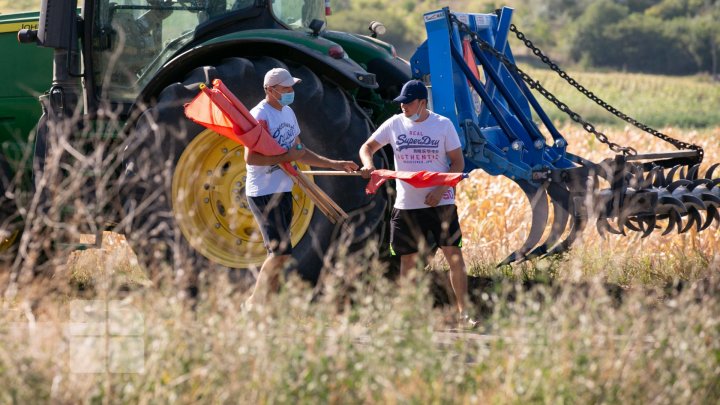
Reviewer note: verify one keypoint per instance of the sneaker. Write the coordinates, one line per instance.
(465, 321)
(246, 306)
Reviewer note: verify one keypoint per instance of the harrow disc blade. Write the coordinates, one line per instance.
(629, 223)
(693, 172)
(695, 219)
(668, 203)
(621, 226)
(674, 221)
(679, 183)
(701, 182)
(649, 227)
(693, 201)
(538, 201)
(711, 170)
(603, 225)
(560, 200)
(578, 225)
(710, 199)
(659, 180)
(712, 215)
(671, 175)
(637, 177)
(651, 177)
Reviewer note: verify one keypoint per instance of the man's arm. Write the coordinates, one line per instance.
(457, 161)
(457, 165)
(257, 159)
(366, 156)
(313, 159)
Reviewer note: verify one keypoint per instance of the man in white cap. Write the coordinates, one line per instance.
(268, 188)
(423, 140)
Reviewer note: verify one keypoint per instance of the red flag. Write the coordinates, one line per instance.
(419, 179)
(219, 110)
(469, 57)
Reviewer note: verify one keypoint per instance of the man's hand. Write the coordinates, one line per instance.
(345, 165)
(295, 154)
(433, 198)
(365, 171)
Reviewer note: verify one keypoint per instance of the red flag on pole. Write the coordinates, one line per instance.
(219, 110)
(419, 179)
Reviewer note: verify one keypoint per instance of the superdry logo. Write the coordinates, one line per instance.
(404, 142)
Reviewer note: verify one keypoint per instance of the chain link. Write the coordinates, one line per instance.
(589, 94)
(534, 84)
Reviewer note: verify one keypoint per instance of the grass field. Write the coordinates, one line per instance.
(495, 217)
(7, 6)
(618, 320)
(621, 320)
(657, 101)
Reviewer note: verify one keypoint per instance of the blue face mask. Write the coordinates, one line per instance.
(415, 116)
(285, 98)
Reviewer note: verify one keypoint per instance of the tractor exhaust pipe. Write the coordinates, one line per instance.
(57, 29)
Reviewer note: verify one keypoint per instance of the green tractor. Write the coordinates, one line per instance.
(133, 64)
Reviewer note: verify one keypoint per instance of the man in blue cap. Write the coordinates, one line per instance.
(422, 140)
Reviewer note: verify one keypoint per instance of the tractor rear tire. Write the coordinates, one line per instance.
(187, 183)
(10, 220)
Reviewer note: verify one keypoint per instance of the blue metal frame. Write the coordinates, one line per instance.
(501, 137)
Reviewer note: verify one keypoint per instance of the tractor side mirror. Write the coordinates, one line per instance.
(317, 26)
(57, 23)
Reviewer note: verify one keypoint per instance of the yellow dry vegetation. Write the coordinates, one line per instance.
(495, 215)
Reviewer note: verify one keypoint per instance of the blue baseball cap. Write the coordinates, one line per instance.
(411, 91)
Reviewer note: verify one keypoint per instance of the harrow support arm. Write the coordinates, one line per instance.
(493, 110)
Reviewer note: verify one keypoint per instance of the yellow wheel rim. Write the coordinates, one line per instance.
(210, 207)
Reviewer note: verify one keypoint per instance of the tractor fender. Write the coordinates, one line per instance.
(344, 71)
(391, 73)
(376, 56)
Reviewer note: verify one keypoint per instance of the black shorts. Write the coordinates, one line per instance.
(412, 229)
(273, 213)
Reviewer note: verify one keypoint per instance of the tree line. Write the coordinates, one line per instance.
(652, 36)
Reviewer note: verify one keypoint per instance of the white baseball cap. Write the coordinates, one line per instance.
(279, 76)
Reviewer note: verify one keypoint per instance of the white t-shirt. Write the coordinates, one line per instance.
(419, 146)
(284, 128)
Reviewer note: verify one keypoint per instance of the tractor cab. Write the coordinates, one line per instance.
(130, 40)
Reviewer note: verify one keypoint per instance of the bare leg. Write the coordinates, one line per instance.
(407, 264)
(268, 280)
(458, 275)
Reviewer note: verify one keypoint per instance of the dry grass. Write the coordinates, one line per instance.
(656, 100)
(543, 345)
(91, 329)
(495, 218)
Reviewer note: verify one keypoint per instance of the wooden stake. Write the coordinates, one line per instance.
(329, 173)
(323, 195)
(325, 204)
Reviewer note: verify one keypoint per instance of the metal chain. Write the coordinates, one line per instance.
(534, 84)
(589, 94)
